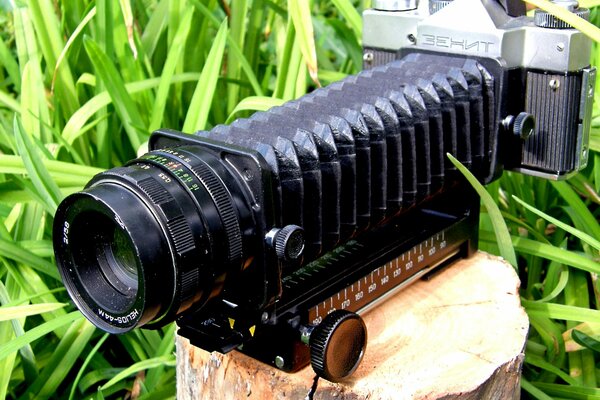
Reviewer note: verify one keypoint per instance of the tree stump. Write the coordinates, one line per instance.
(459, 335)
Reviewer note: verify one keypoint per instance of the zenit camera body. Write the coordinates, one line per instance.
(271, 234)
(545, 66)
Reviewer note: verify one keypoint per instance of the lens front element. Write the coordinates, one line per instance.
(121, 259)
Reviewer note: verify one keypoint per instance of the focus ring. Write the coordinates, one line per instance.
(181, 234)
(222, 201)
(179, 230)
(155, 191)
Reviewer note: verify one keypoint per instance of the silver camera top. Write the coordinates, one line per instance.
(481, 28)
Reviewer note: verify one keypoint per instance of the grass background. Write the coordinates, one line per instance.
(82, 83)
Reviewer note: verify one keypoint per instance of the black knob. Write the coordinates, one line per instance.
(337, 345)
(289, 242)
(522, 126)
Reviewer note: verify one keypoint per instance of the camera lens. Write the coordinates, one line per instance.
(143, 243)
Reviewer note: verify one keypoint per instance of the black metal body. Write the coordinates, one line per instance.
(361, 166)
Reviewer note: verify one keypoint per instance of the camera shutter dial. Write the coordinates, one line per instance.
(395, 5)
(437, 5)
(337, 345)
(543, 19)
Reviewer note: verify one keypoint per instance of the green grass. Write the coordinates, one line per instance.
(83, 83)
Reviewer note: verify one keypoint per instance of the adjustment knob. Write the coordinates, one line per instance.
(289, 242)
(543, 19)
(522, 126)
(337, 345)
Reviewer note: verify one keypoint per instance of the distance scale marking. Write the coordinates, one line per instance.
(389, 278)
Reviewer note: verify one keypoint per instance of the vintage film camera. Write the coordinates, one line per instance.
(271, 234)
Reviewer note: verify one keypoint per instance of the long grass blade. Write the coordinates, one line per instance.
(164, 348)
(534, 391)
(76, 34)
(92, 378)
(10, 103)
(8, 363)
(9, 63)
(34, 111)
(51, 44)
(38, 332)
(237, 33)
(19, 254)
(500, 229)
(352, 16)
(541, 363)
(8, 313)
(575, 232)
(569, 391)
(59, 170)
(590, 328)
(155, 27)
(588, 221)
(64, 356)
(233, 47)
(125, 106)
(86, 362)
(173, 60)
(197, 114)
(557, 290)
(26, 299)
(549, 252)
(28, 360)
(585, 340)
(255, 103)
(561, 311)
(74, 126)
(32, 159)
(127, 13)
(300, 14)
(140, 366)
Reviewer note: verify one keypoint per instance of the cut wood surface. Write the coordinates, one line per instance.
(459, 335)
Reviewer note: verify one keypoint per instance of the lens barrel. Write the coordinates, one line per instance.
(145, 242)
